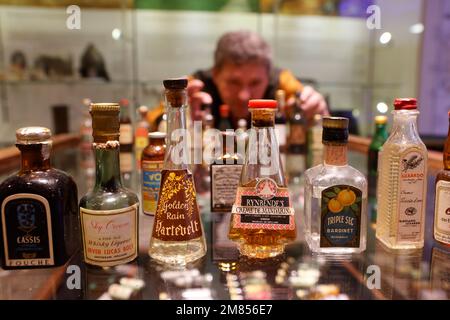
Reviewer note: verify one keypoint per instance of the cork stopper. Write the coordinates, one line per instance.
(33, 135)
(335, 130)
(176, 95)
(105, 122)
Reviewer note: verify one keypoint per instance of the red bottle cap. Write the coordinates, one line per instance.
(224, 110)
(262, 103)
(405, 104)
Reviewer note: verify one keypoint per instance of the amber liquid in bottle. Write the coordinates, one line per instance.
(442, 203)
(262, 189)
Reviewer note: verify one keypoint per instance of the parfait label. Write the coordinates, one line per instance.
(224, 183)
(411, 201)
(177, 216)
(265, 206)
(110, 237)
(340, 217)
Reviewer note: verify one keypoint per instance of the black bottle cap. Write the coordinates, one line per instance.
(175, 83)
(335, 129)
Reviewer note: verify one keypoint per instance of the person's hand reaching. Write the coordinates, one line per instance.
(197, 97)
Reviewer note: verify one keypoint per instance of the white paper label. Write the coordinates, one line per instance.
(281, 133)
(442, 212)
(126, 161)
(110, 237)
(126, 133)
(411, 200)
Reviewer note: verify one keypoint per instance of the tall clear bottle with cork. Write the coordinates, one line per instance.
(262, 220)
(402, 181)
(335, 197)
(177, 237)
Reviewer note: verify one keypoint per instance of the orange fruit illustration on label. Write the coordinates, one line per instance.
(346, 197)
(335, 206)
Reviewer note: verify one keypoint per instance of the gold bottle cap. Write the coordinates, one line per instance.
(335, 122)
(105, 122)
(381, 119)
(33, 135)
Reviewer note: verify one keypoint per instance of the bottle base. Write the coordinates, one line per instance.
(400, 246)
(314, 245)
(260, 251)
(177, 253)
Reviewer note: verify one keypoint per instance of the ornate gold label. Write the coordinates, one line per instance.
(177, 216)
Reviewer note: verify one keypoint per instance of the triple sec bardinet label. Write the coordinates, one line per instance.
(340, 222)
(110, 237)
(27, 231)
(177, 217)
(151, 180)
(224, 183)
(442, 212)
(265, 206)
(411, 200)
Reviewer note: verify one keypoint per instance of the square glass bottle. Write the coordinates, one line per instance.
(335, 197)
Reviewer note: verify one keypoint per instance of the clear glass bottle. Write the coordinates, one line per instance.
(39, 225)
(108, 212)
(177, 237)
(402, 181)
(442, 203)
(335, 197)
(152, 164)
(262, 220)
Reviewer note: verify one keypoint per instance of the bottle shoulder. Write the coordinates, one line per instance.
(47, 183)
(325, 175)
(102, 199)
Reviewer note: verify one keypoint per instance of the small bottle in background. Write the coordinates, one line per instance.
(378, 139)
(315, 146)
(224, 122)
(152, 164)
(141, 134)
(126, 143)
(296, 158)
(281, 125)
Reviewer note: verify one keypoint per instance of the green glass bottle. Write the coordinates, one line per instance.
(109, 212)
(378, 139)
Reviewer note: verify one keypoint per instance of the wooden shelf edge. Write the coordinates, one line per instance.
(361, 144)
(10, 156)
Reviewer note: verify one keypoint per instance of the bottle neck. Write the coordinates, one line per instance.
(35, 157)
(380, 130)
(178, 152)
(405, 123)
(107, 166)
(335, 154)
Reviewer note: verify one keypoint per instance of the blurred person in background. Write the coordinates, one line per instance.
(243, 70)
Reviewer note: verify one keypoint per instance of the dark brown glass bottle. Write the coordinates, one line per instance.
(39, 211)
(442, 203)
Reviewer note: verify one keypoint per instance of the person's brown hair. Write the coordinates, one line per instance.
(239, 47)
